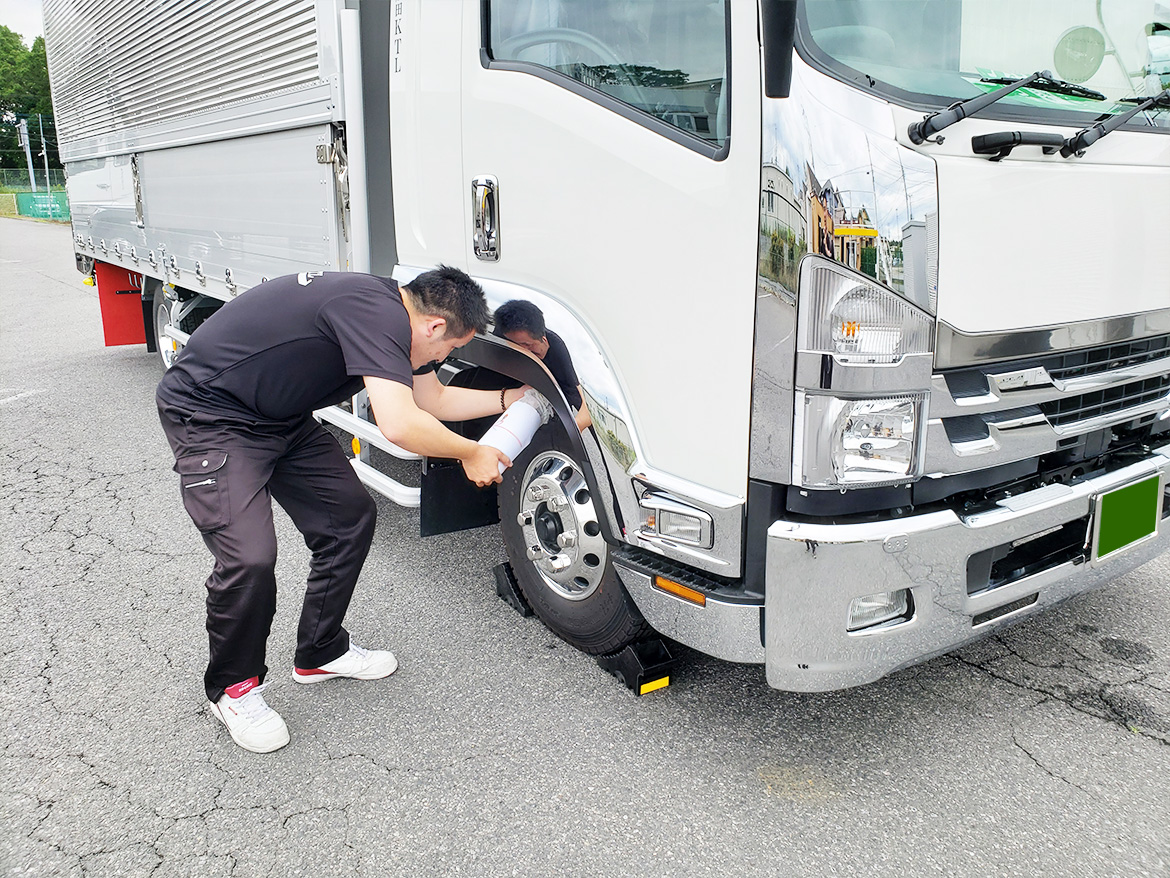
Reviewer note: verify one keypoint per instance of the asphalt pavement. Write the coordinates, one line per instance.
(496, 749)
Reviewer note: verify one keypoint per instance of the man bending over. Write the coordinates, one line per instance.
(237, 406)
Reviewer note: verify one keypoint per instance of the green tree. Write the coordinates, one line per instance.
(24, 93)
(641, 74)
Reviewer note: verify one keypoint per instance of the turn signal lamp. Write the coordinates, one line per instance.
(858, 321)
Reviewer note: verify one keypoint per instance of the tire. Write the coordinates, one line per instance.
(168, 348)
(569, 582)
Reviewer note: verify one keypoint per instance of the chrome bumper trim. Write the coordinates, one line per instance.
(815, 571)
(726, 631)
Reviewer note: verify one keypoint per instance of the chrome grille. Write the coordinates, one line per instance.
(1005, 412)
(1104, 359)
(1106, 402)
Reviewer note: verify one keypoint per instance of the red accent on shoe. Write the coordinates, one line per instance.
(239, 690)
(310, 672)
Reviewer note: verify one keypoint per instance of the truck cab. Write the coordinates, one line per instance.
(864, 386)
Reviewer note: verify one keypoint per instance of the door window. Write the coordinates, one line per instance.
(667, 59)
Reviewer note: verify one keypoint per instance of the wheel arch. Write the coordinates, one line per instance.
(499, 356)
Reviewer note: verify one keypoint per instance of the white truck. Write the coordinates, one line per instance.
(868, 299)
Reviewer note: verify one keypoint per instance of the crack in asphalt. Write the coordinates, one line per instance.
(1097, 699)
(1043, 767)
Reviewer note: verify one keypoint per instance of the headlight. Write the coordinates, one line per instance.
(858, 443)
(857, 321)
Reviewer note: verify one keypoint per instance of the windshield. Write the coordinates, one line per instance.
(938, 51)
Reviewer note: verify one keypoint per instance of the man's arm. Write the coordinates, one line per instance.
(584, 420)
(408, 426)
(459, 403)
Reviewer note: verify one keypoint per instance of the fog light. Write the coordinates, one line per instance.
(687, 528)
(879, 609)
(666, 517)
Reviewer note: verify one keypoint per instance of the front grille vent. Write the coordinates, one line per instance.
(1072, 409)
(1094, 361)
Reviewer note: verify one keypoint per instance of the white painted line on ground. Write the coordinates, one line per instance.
(20, 396)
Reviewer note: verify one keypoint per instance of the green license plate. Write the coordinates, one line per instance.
(1126, 516)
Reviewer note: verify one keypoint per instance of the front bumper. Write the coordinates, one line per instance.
(815, 571)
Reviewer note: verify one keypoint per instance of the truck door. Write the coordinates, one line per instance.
(619, 146)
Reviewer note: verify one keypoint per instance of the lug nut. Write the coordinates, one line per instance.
(559, 562)
(558, 503)
(567, 540)
(534, 553)
(524, 519)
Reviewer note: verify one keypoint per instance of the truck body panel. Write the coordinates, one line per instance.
(857, 398)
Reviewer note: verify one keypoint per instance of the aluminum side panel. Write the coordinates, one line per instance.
(261, 206)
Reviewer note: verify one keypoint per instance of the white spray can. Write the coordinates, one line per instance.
(514, 429)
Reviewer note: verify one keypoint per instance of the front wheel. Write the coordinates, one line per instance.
(553, 539)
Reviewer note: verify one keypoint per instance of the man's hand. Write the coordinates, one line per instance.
(482, 466)
(514, 394)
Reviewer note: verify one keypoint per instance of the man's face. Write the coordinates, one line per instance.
(537, 346)
(430, 343)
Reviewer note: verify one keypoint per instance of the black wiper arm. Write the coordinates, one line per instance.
(1086, 137)
(919, 132)
(1056, 86)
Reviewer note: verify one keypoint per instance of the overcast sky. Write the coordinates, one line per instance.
(24, 17)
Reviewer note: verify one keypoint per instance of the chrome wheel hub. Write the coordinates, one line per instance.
(559, 523)
(167, 347)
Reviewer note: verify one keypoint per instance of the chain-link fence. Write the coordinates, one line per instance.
(17, 197)
(16, 179)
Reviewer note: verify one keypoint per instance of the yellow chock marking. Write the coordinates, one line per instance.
(660, 683)
(356, 445)
(88, 281)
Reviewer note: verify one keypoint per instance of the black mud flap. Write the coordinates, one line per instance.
(451, 502)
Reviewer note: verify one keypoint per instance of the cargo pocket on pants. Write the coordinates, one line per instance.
(205, 495)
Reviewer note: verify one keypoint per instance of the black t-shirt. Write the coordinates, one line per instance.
(292, 345)
(558, 361)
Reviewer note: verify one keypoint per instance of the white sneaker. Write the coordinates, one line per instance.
(253, 724)
(358, 663)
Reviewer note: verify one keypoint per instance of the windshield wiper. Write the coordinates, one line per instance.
(1042, 80)
(1086, 137)
(1056, 86)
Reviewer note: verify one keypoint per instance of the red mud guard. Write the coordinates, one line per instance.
(120, 295)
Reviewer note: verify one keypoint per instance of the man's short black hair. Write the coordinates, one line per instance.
(451, 294)
(519, 314)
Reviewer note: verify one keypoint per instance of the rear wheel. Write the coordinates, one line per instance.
(168, 348)
(552, 534)
(192, 309)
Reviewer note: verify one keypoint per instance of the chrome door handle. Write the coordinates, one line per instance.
(485, 211)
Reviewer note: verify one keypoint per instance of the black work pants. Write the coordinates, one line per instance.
(229, 474)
